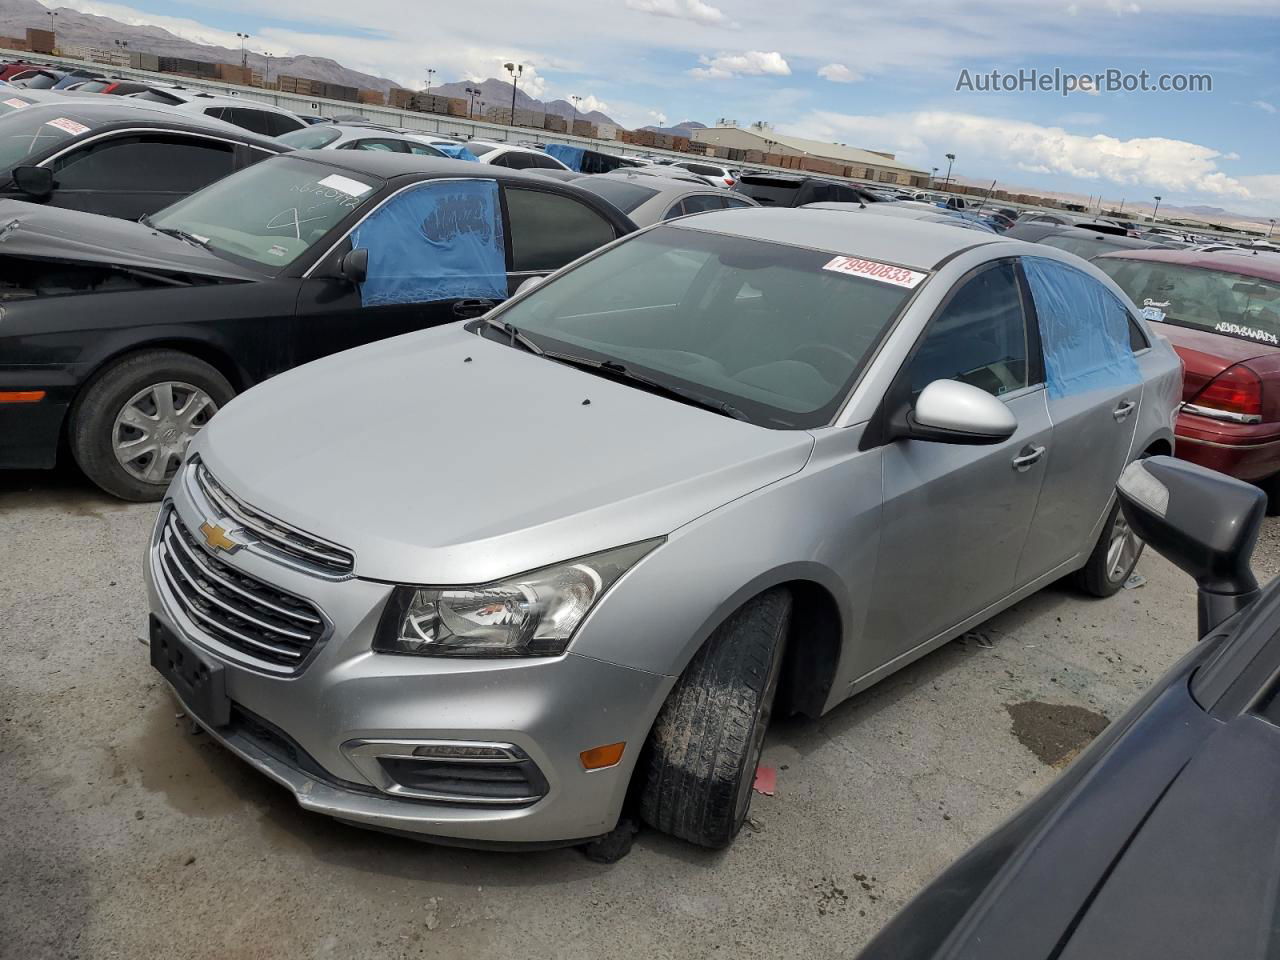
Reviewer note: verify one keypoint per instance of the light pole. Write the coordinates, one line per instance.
(933, 176)
(951, 158)
(53, 26)
(430, 73)
(576, 100)
(472, 93)
(516, 70)
(244, 54)
(266, 76)
(1156, 209)
(1273, 226)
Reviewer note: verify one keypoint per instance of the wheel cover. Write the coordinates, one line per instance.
(153, 429)
(1123, 548)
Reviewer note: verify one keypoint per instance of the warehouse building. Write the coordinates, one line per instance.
(760, 143)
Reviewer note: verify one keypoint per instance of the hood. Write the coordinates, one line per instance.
(51, 233)
(442, 457)
(1205, 353)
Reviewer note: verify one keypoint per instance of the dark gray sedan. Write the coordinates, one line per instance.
(648, 199)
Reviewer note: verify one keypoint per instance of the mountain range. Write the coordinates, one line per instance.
(497, 93)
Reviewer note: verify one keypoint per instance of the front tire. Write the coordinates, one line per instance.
(1114, 556)
(707, 740)
(131, 426)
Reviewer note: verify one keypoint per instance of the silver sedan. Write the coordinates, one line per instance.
(491, 582)
(648, 199)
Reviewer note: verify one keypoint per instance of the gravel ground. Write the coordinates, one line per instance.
(122, 835)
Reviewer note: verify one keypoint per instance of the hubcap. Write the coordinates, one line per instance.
(1123, 549)
(153, 429)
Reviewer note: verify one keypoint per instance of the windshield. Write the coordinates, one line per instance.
(28, 133)
(1229, 303)
(271, 213)
(760, 326)
(310, 138)
(622, 194)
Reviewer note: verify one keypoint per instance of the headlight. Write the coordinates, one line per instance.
(531, 615)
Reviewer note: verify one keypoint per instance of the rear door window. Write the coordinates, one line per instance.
(257, 121)
(376, 144)
(549, 230)
(278, 124)
(701, 202)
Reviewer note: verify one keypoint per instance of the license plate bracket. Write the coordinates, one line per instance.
(199, 680)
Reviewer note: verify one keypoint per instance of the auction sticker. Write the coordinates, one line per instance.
(16, 103)
(352, 188)
(873, 270)
(67, 126)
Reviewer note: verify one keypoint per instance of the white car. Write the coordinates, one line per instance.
(359, 136)
(513, 157)
(263, 118)
(713, 173)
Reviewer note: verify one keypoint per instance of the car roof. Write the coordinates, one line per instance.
(900, 240)
(108, 111)
(1262, 265)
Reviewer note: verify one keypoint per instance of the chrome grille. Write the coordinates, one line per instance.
(238, 610)
(272, 532)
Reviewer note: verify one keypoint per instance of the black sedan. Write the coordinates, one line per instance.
(127, 337)
(114, 156)
(1162, 841)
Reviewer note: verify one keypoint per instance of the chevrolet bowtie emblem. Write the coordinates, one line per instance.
(216, 537)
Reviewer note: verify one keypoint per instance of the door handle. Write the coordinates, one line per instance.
(1027, 457)
(466, 309)
(1123, 410)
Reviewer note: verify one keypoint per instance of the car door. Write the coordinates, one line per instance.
(1094, 393)
(955, 517)
(130, 174)
(436, 254)
(546, 230)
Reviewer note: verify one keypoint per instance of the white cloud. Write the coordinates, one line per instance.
(753, 63)
(1264, 106)
(589, 103)
(693, 10)
(1174, 166)
(838, 73)
(658, 117)
(1081, 119)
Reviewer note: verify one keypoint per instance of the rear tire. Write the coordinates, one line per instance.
(707, 740)
(1113, 559)
(171, 394)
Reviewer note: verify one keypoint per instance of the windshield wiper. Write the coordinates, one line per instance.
(516, 336)
(179, 234)
(617, 371)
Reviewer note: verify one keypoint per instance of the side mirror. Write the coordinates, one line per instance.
(949, 411)
(355, 265)
(1202, 521)
(529, 284)
(36, 182)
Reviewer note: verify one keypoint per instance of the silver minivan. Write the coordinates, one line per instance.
(492, 581)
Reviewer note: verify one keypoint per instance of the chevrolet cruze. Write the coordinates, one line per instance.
(492, 581)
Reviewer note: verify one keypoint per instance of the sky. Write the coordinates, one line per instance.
(873, 75)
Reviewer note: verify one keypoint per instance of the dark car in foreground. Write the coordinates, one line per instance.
(798, 190)
(1160, 841)
(114, 156)
(127, 337)
(1221, 311)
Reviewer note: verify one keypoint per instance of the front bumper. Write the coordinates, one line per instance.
(300, 728)
(1249, 451)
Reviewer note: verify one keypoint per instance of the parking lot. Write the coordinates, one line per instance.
(124, 835)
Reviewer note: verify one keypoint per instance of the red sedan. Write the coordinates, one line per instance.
(1221, 312)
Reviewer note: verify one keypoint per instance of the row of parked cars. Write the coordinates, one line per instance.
(553, 486)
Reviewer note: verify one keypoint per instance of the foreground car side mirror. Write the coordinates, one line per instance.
(1202, 521)
(355, 265)
(35, 182)
(948, 411)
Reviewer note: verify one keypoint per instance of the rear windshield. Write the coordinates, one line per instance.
(1233, 304)
(310, 138)
(28, 133)
(1081, 246)
(770, 192)
(480, 149)
(622, 194)
(93, 86)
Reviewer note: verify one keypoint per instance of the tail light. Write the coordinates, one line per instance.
(729, 181)
(1234, 395)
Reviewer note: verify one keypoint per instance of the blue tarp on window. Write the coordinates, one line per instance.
(571, 157)
(439, 241)
(1084, 329)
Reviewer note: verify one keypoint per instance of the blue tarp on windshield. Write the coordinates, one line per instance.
(571, 157)
(1084, 329)
(440, 241)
